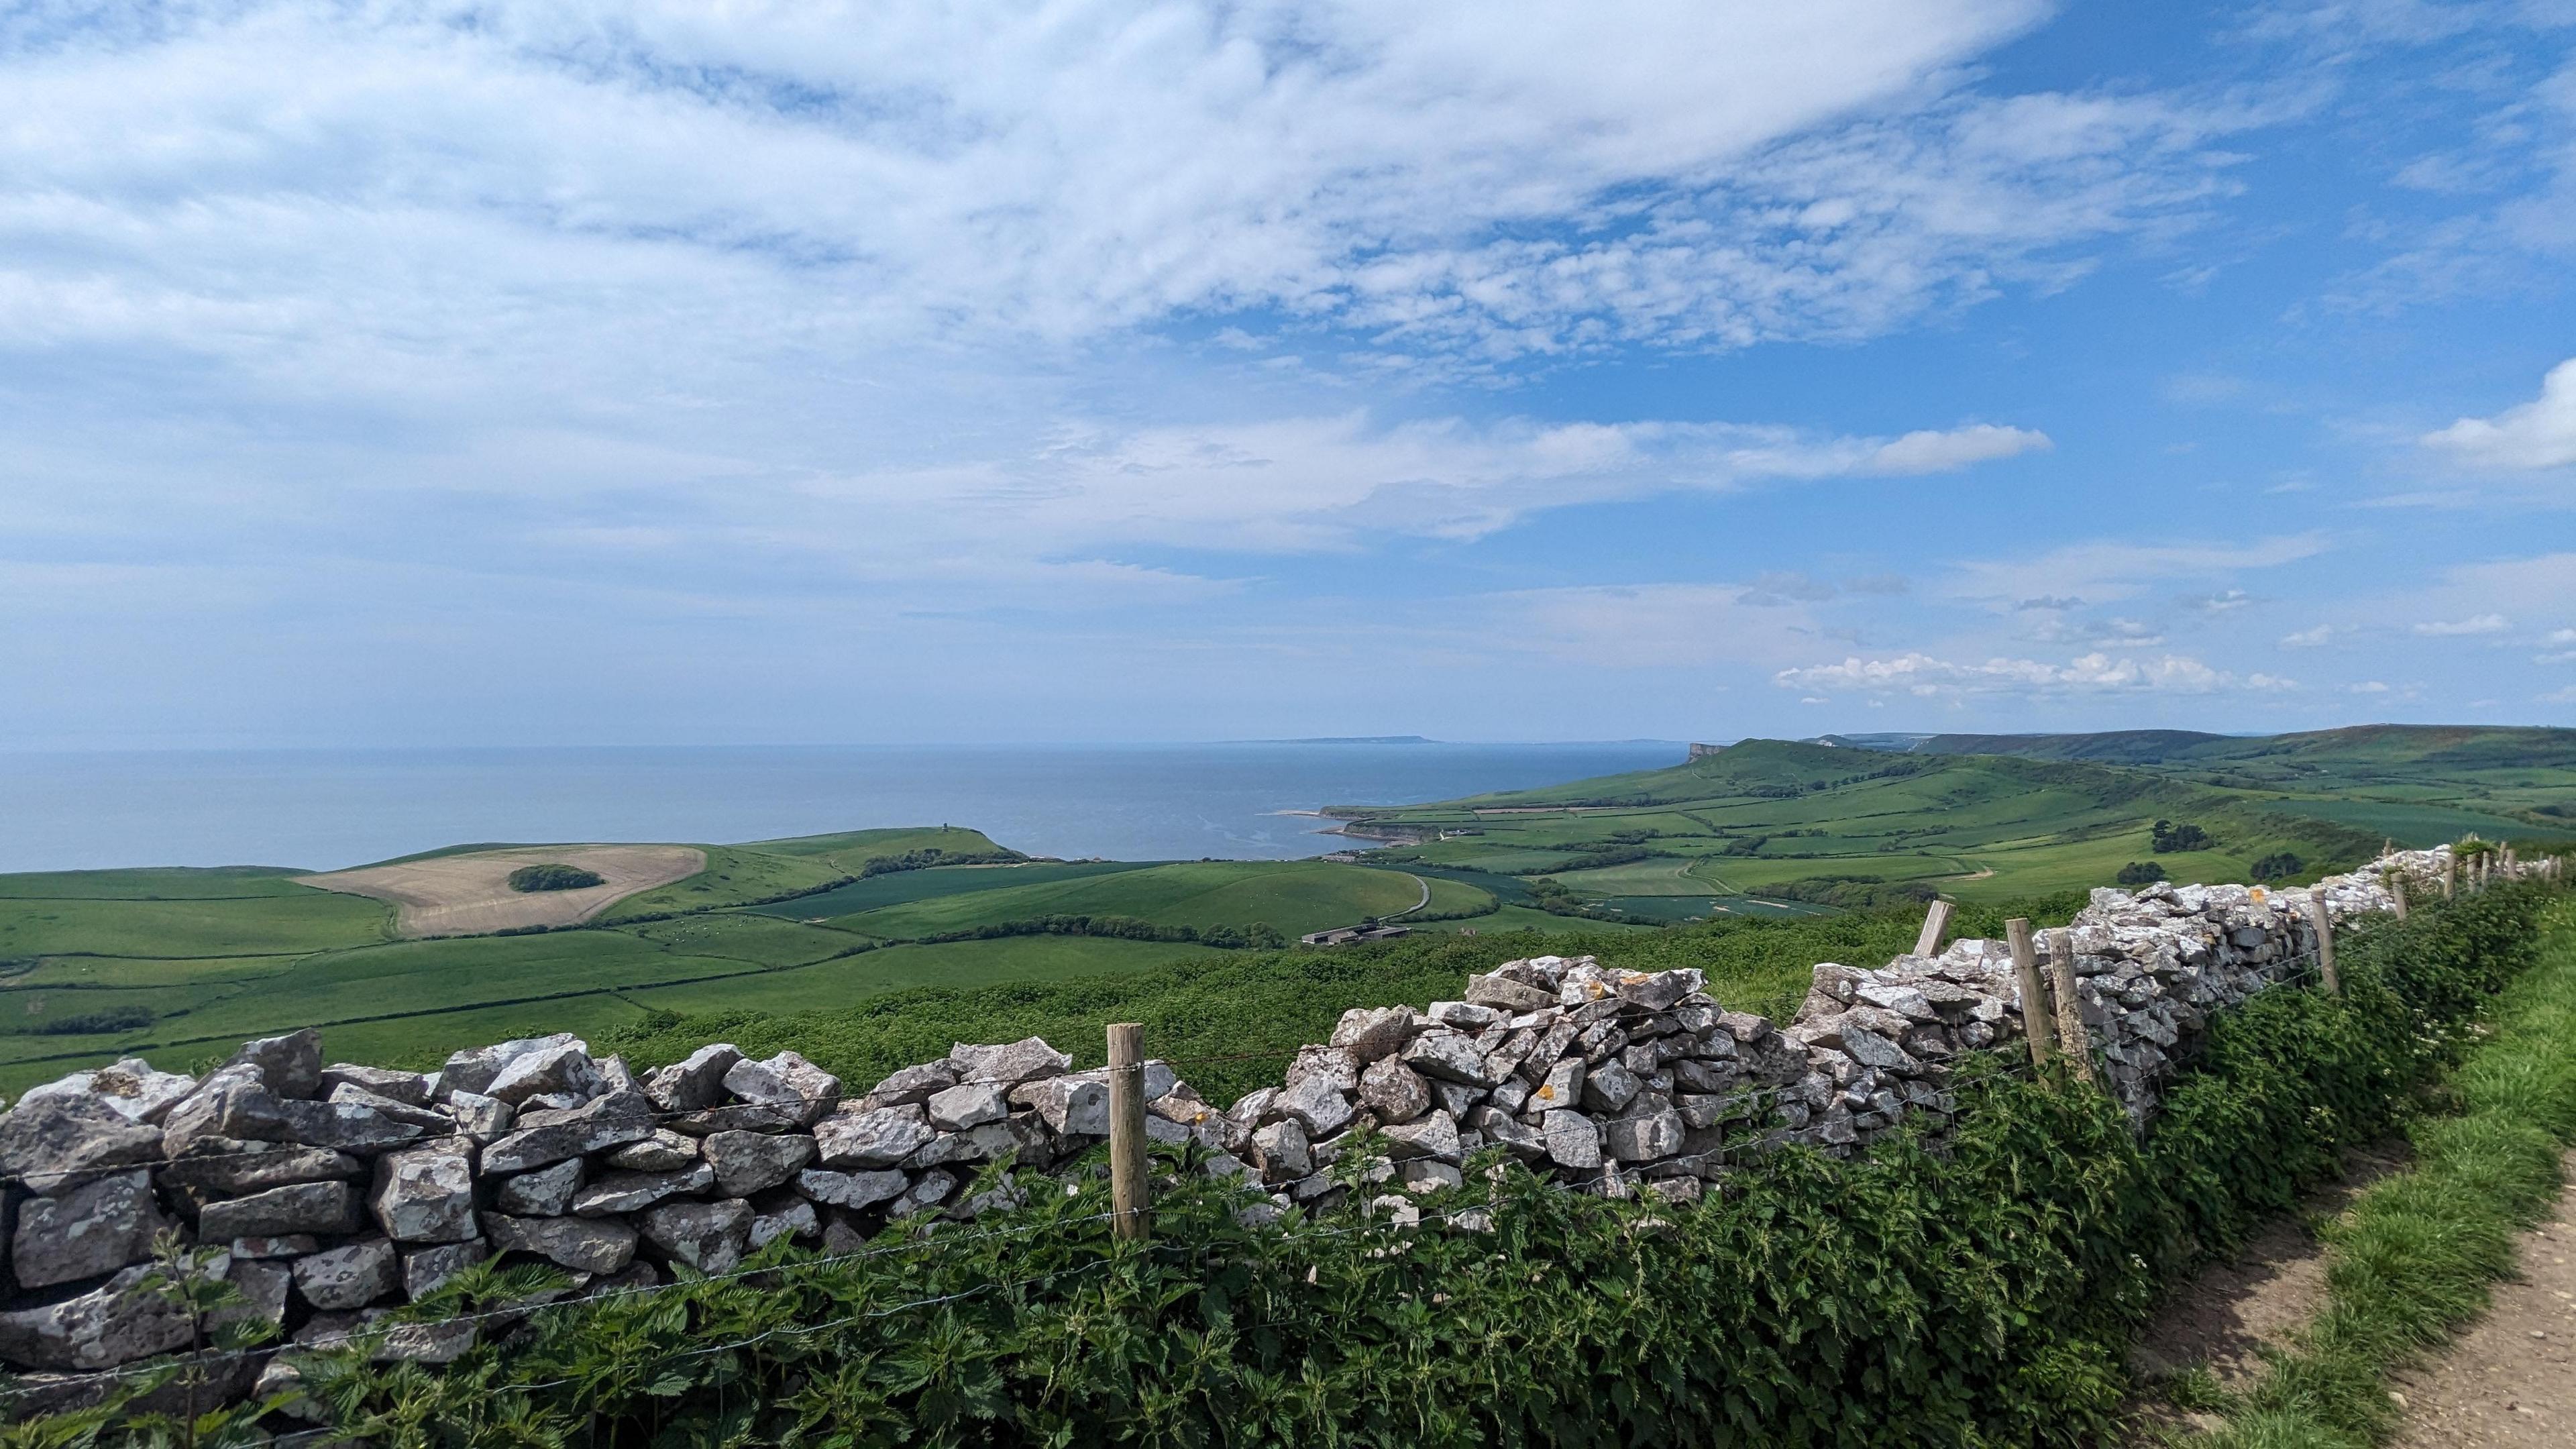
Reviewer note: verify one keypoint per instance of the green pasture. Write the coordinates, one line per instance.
(850, 850)
(2410, 824)
(735, 875)
(308, 920)
(172, 883)
(1448, 896)
(744, 936)
(956, 964)
(899, 887)
(1295, 896)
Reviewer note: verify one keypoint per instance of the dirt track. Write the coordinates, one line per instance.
(463, 895)
(2510, 1381)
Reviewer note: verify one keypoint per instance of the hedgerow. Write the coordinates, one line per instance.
(1972, 1292)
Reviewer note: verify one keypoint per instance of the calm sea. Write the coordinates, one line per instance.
(325, 809)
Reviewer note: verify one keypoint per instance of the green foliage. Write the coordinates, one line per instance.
(2414, 1256)
(1852, 892)
(932, 856)
(2167, 838)
(553, 876)
(2140, 873)
(1125, 928)
(2279, 865)
(114, 1019)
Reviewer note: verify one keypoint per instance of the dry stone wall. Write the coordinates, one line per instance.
(330, 1193)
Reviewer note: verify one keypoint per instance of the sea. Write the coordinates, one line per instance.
(326, 809)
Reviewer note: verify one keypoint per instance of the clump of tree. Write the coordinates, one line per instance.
(1553, 898)
(1260, 935)
(554, 876)
(91, 1023)
(2169, 837)
(931, 855)
(1851, 892)
(2279, 865)
(1595, 859)
(2140, 873)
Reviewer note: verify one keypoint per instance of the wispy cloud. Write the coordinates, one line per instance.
(1926, 676)
(2461, 628)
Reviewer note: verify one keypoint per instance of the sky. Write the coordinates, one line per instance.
(391, 372)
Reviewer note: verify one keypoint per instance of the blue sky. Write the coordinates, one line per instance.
(409, 373)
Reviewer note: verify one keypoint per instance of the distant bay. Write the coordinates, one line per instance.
(324, 809)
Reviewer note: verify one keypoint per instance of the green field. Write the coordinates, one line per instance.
(1294, 896)
(1711, 857)
(1725, 833)
(213, 957)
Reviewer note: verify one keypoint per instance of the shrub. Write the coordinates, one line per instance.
(2169, 837)
(2279, 865)
(114, 1018)
(2140, 873)
(553, 876)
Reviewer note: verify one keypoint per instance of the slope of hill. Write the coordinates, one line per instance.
(1773, 820)
(2416, 783)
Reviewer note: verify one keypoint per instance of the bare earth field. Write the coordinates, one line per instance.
(459, 895)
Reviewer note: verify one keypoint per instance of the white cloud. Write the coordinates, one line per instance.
(2537, 434)
(2224, 601)
(2102, 570)
(2559, 696)
(2308, 638)
(1929, 677)
(2461, 628)
(2367, 686)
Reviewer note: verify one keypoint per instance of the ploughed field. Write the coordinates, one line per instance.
(180, 965)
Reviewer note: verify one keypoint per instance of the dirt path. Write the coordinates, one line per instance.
(2221, 1317)
(2510, 1381)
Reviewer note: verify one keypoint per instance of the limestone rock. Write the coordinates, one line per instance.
(1282, 1151)
(1572, 1140)
(695, 1082)
(476, 1068)
(1024, 1060)
(544, 1193)
(792, 1219)
(95, 1228)
(1448, 1056)
(1505, 994)
(408, 1088)
(479, 1117)
(56, 1143)
(1370, 1033)
(851, 1189)
(424, 1269)
(1394, 1091)
(346, 1126)
(707, 1236)
(786, 1083)
(1435, 1137)
(611, 1121)
(139, 1093)
(304, 1207)
(626, 1192)
(927, 1192)
(968, 1104)
(118, 1322)
(563, 1068)
(911, 1085)
(425, 1194)
(1316, 1104)
(879, 1138)
(1643, 1139)
(1070, 1106)
(350, 1277)
(661, 1152)
(750, 1162)
(290, 1065)
(585, 1245)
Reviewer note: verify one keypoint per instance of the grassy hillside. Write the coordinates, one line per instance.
(1766, 819)
(2418, 783)
(1294, 896)
(182, 965)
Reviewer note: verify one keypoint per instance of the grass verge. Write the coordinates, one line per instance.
(2412, 1259)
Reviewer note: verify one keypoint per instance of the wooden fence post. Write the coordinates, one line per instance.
(1128, 1186)
(2324, 923)
(2450, 874)
(1935, 921)
(2072, 1038)
(2036, 1014)
(2397, 892)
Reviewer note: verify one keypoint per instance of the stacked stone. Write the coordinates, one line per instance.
(329, 1194)
(1600, 1076)
(332, 1193)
